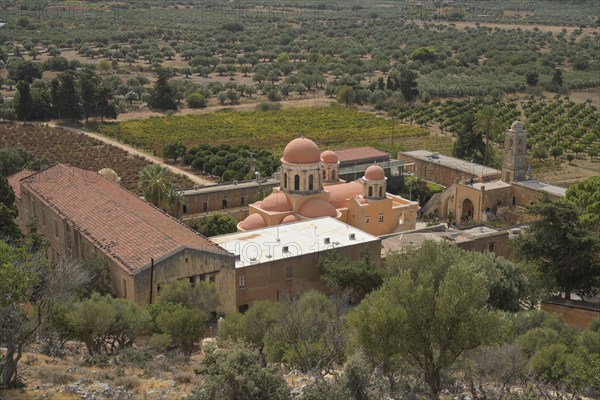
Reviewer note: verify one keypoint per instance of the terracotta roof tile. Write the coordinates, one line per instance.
(360, 154)
(13, 181)
(122, 226)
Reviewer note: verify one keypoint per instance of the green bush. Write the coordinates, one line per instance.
(195, 100)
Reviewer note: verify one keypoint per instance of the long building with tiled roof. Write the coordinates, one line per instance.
(86, 216)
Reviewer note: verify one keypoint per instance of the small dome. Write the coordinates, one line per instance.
(253, 221)
(301, 151)
(517, 126)
(329, 157)
(290, 219)
(315, 208)
(110, 174)
(374, 173)
(276, 202)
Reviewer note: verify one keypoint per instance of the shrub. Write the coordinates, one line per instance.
(128, 382)
(184, 326)
(137, 358)
(159, 342)
(195, 100)
(55, 375)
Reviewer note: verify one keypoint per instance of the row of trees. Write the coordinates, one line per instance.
(70, 96)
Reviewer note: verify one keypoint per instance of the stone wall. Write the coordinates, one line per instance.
(575, 313)
(285, 279)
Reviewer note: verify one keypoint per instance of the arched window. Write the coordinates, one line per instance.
(380, 191)
(333, 175)
(296, 182)
(370, 191)
(324, 175)
(285, 181)
(311, 180)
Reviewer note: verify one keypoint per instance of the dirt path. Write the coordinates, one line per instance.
(200, 181)
(312, 102)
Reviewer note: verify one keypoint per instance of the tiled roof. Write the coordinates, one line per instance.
(359, 154)
(121, 225)
(13, 181)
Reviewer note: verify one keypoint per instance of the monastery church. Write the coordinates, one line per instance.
(310, 188)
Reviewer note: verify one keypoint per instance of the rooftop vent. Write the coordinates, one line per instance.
(352, 236)
(327, 240)
(435, 155)
(286, 249)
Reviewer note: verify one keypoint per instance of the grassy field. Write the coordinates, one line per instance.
(327, 126)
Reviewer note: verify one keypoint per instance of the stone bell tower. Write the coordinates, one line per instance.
(514, 166)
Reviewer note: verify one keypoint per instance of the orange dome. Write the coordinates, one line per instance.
(278, 202)
(374, 173)
(290, 218)
(253, 221)
(339, 194)
(315, 208)
(329, 157)
(301, 151)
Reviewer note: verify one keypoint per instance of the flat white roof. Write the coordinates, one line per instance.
(451, 162)
(491, 185)
(298, 238)
(545, 187)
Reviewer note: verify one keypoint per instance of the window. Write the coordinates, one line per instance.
(289, 272)
(296, 182)
(492, 246)
(367, 220)
(380, 217)
(380, 191)
(242, 200)
(311, 182)
(55, 228)
(370, 191)
(43, 218)
(185, 209)
(324, 175)
(205, 206)
(242, 282)
(124, 286)
(514, 200)
(333, 175)
(224, 202)
(285, 180)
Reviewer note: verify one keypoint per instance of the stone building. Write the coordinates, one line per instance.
(280, 262)
(444, 170)
(479, 239)
(310, 188)
(223, 197)
(85, 216)
(476, 198)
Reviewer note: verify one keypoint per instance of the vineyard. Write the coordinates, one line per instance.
(339, 126)
(78, 150)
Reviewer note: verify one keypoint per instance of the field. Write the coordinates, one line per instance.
(78, 150)
(327, 126)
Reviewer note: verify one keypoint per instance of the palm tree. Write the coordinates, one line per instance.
(157, 186)
(488, 123)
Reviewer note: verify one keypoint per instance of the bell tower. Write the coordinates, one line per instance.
(514, 166)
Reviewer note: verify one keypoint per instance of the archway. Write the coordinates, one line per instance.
(467, 211)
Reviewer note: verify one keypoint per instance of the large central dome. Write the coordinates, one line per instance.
(301, 151)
